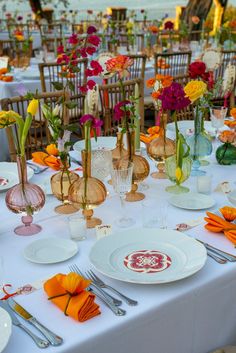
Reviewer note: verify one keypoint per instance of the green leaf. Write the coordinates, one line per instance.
(71, 85)
(58, 86)
(71, 105)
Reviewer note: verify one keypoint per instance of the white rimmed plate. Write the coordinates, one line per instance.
(106, 142)
(186, 125)
(50, 250)
(5, 328)
(9, 172)
(148, 256)
(192, 201)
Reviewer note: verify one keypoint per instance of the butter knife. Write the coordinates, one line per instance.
(54, 339)
(39, 341)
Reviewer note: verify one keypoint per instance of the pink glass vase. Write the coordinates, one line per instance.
(25, 198)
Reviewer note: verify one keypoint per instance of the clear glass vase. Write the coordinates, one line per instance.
(200, 145)
(26, 199)
(170, 167)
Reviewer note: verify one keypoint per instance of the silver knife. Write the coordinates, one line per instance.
(40, 342)
(227, 256)
(54, 339)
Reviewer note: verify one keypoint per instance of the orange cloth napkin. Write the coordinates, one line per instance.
(43, 158)
(68, 293)
(153, 132)
(218, 224)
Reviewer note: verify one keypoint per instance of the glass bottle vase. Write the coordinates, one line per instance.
(170, 167)
(26, 199)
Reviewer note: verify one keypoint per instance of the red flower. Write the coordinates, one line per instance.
(63, 59)
(83, 89)
(73, 39)
(197, 69)
(120, 110)
(94, 40)
(169, 25)
(97, 68)
(91, 84)
(90, 50)
(60, 49)
(83, 52)
(91, 30)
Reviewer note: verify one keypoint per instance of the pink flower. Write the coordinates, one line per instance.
(90, 119)
(91, 84)
(91, 30)
(173, 97)
(120, 110)
(60, 49)
(83, 89)
(90, 50)
(94, 40)
(73, 39)
(97, 68)
(169, 25)
(83, 52)
(89, 72)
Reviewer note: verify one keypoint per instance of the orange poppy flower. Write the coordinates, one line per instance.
(53, 162)
(3, 71)
(39, 157)
(150, 82)
(52, 149)
(156, 94)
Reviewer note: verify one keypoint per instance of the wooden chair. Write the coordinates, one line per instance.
(228, 56)
(187, 113)
(50, 30)
(51, 44)
(110, 95)
(174, 64)
(50, 72)
(6, 48)
(39, 136)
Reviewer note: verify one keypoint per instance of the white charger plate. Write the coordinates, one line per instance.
(192, 201)
(8, 170)
(148, 256)
(50, 250)
(5, 328)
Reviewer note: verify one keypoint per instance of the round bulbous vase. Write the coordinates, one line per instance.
(226, 154)
(87, 193)
(26, 199)
(170, 165)
(60, 184)
(158, 150)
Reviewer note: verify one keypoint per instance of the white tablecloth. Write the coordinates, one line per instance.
(195, 315)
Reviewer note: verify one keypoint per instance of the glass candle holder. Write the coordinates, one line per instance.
(78, 227)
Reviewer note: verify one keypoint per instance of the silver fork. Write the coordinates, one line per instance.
(116, 310)
(96, 280)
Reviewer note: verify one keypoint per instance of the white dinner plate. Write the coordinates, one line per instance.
(106, 142)
(192, 201)
(9, 172)
(148, 256)
(5, 328)
(185, 125)
(50, 250)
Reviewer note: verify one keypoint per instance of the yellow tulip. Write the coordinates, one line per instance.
(33, 107)
(178, 174)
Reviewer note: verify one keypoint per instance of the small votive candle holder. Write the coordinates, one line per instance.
(78, 227)
(204, 184)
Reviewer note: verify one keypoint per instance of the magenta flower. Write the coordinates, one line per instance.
(83, 52)
(94, 40)
(19, 18)
(63, 59)
(173, 97)
(90, 119)
(83, 89)
(73, 39)
(120, 110)
(90, 50)
(91, 84)
(91, 30)
(169, 25)
(60, 49)
(88, 72)
(97, 68)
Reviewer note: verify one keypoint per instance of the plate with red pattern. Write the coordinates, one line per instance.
(148, 256)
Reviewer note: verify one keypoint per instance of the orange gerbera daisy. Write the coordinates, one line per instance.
(119, 65)
(150, 82)
(156, 94)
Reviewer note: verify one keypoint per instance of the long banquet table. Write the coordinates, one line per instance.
(194, 315)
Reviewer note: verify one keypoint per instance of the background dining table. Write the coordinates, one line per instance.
(193, 315)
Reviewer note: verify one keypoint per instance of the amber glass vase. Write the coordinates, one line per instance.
(60, 183)
(87, 192)
(141, 171)
(26, 199)
(119, 152)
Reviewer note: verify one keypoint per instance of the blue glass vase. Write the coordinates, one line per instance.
(200, 145)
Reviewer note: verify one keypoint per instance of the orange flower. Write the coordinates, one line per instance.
(153, 29)
(153, 133)
(73, 283)
(167, 81)
(52, 149)
(150, 82)
(119, 65)
(156, 94)
(39, 157)
(154, 130)
(53, 162)
(43, 158)
(195, 19)
(233, 113)
(3, 71)
(232, 24)
(227, 136)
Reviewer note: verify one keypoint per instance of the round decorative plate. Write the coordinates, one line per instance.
(148, 256)
(50, 250)
(192, 201)
(5, 328)
(103, 142)
(9, 175)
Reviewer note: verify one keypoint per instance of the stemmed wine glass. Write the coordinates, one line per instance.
(122, 182)
(218, 115)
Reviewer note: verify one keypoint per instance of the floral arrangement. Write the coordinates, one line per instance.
(195, 20)
(232, 123)
(228, 136)
(153, 29)
(169, 26)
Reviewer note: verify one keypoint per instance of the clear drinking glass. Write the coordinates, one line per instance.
(78, 227)
(122, 183)
(218, 115)
(101, 160)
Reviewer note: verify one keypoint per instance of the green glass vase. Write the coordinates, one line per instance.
(170, 168)
(226, 154)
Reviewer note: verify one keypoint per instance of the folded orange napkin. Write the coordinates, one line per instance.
(218, 224)
(43, 158)
(153, 133)
(68, 293)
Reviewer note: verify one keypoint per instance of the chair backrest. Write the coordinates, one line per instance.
(39, 136)
(51, 44)
(51, 72)
(6, 48)
(110, 95)
(228, 56)
(174, 64)
(50, 30)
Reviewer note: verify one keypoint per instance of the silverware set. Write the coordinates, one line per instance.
(12, 307)
(218, 255)
(98, 287)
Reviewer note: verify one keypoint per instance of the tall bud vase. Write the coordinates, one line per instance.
(200, 145)
(141, 171)
(26, 199)
(88, 192)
